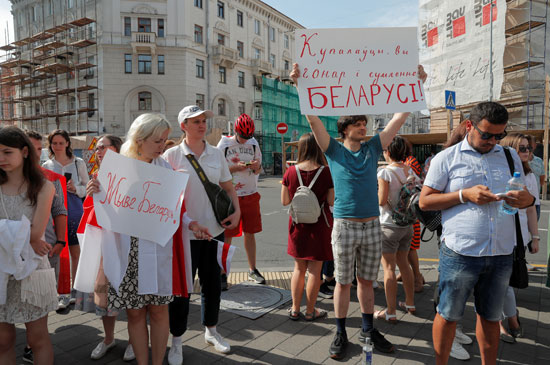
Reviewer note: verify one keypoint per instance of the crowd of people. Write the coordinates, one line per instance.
(340, 231)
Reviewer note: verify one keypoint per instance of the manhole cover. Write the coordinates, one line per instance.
(251, 297)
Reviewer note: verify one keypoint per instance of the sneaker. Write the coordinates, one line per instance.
(63, 303)
(129, 354)
(27, 355)
(377, 339)
(255, 276)
(325, 292)
(218, 342)
(101, 349)
(338, 346)
(175, 355)
(458, 352)
(331, 284)
(224, 282)
(461, 338)
(72, 300)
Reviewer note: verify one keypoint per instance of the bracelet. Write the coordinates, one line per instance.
(535, 236)
(59, 242)
(533, 203)
(460, 196)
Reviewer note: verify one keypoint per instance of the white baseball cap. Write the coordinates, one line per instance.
(192, 111)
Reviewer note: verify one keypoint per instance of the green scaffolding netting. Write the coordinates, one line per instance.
(280, 104)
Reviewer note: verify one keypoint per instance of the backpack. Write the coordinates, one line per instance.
(304, 207)
(431, 219)
(403, 213)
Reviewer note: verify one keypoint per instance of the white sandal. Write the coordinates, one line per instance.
(383, 314)
(408, 308)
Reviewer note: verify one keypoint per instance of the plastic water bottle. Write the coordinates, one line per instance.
(367, 349)
(515, 183)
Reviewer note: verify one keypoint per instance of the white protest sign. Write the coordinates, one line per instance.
(138, 198)
(358, 71)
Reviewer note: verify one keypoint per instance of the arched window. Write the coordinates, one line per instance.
(145, 100)
(221, 107)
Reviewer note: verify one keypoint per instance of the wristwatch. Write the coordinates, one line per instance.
(532, 203)
(59, 242)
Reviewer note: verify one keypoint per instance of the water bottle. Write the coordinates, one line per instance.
(515, 183)
(367, 349)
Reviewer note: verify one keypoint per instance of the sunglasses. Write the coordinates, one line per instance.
(102, 148)
(486, 136)
(525, 148)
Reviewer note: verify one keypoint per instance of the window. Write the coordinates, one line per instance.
(200, 101)
(160, 26)
(272, 60)
(70, 3)
(91, 101)
(239, 18)
(221, 39)
(272, 34)
(35, 11)
(128, 63)
(200, 69)
(198, 3)
(144, 63)
(127, 26)
(221, 107)
(240, 48)
(90, 70)
(286, 41)
(145, 100)
(198, 34)
(144, 25)
(241, 79)
(241, 107)
(51, 106)
(257, 26)
(37, 108)
(257, 112)
(72, 103)
(160, 64)
(287, 65)
(257, 53)
(49, 9)
(221, 10)
(222, 73)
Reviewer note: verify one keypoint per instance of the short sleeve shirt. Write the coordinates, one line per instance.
(355, 184)
(245, 182)
(395, 176)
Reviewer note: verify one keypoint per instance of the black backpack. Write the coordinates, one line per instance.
(431, 219)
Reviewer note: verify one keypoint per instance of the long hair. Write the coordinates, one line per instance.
(115, 141)
(513, 140)
(308, 150)
(65, 135)
(143, 127)
(32, 173)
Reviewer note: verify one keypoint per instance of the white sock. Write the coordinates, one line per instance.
(211, 331)
(176, 341)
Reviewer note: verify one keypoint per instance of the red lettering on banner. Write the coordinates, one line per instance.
(332, 96)
(306, 43)
(113, 195)
(363, 94)
(414, 100)
(351, 94)
(372, 94)
(399, 94)
(147, 207)
(389, 92)
(310, 94)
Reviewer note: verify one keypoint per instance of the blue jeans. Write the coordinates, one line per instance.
(487, 276)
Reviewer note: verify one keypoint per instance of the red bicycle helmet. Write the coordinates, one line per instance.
(244, 126)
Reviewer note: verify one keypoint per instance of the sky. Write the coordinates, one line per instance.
(313, 13)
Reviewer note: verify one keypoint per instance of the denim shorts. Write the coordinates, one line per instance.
(487, 276)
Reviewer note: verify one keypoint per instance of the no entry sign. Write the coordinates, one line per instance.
(282, 128)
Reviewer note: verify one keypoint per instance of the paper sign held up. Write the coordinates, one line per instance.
(139, 199)
(358, 71)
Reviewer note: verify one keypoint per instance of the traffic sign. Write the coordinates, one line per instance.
(450, 100)
(282, 128)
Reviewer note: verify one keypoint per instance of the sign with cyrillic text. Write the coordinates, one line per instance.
(138, 198)
(358, 71)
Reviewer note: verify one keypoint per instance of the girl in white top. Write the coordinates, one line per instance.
(63, 161)
(396, 239)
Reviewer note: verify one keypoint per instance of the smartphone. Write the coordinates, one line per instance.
(68, 176)
(503, 195)
(248, 163)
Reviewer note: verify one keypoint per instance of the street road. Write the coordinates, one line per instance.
(272, 242)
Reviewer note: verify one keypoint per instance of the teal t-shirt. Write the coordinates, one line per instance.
(354, 177)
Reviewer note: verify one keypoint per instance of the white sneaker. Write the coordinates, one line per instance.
(461, 338)
(175, 355)
(218, 342)
(63, 302)
(101, 349)
(458, 352)
(129, 353)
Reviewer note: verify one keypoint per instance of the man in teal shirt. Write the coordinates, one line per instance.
(356, 232)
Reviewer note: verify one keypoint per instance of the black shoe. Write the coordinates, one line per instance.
(331, 284)
(27, 355)
(379, 342)
(354, 282)
(224, 282)
(325, 292)
(338, 346)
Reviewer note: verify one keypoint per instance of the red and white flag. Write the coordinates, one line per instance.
(225, 254)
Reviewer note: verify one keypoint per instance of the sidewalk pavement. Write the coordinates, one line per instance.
(273, 339)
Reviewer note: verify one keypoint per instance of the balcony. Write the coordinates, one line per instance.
(260, 67)
(225, 56)
(144, 42)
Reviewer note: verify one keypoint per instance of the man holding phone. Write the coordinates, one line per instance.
(244, 159)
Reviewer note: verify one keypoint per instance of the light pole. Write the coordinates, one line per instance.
(491, 54)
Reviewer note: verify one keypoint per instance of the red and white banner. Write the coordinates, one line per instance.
(225, 255)
(358, 71)
(455, 42)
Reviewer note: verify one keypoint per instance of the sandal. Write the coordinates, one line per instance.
(293, 315)
(408, 308)
(313, 316)
(383, 314)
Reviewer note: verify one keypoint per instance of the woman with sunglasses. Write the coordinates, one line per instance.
(529, 231)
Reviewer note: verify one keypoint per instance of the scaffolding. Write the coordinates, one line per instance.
(49, 77)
